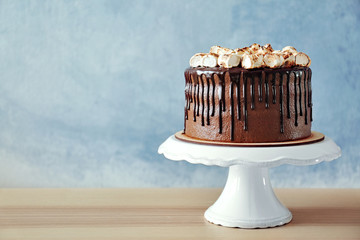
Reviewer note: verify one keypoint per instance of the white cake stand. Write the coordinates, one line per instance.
(248, 200)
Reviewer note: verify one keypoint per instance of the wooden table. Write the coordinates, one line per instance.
(103, 214)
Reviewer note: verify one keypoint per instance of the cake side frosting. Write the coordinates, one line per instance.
(248, 106)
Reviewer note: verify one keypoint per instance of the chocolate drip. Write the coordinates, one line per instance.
(202, 101)
(305, 93)
(186, 100)
(245, 103)
(309, 89)
(266, 90)
(191, 88)
(260, 89)
(310, 94)
(238, 96)
(186, 93)
(213, 95)
(281, 105)
(252, 92)
(185, 108)
(295, 100)
(194, 99)
(198, 96)
(288, 93)
(273, 88)
(235, 82)
(208, 101)
(221, 99)
(232, 110)
(186, 118)
(300, 104)
(222, 84)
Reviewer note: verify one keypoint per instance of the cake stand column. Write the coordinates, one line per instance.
(248, 201)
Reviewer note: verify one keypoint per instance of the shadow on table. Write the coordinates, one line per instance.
(325, 216)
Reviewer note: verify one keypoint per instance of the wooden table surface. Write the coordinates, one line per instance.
(166, 214)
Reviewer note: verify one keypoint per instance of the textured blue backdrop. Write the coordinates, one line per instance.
(89, 89)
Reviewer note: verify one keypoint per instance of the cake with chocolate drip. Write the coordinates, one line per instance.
(248, 95)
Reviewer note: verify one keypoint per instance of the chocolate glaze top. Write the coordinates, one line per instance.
(207, 71)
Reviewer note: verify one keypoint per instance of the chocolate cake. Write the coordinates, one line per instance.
(249, 102)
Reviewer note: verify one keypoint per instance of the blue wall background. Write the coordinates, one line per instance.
(90, 89)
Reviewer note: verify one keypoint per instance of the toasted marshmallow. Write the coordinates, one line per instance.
(289, 58)
(289, 49)
(263, 51)
(268, 47)
(220, 50)
(301, 59)
(273, 60)
(241, 51)
(254, 48)
(250, 61)
(229, 60)
(214, 49)
(197, 60)
(210, 60)
(255, 56)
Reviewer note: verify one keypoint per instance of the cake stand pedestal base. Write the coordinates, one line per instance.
(248, 201)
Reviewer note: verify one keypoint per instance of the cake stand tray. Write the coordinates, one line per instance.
(248, 200)
(314, 137)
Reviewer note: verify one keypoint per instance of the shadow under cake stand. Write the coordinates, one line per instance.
(248, 200)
